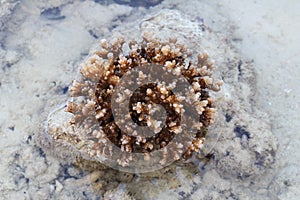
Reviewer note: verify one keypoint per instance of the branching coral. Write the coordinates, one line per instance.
(149, 107)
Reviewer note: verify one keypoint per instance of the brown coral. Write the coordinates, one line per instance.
(101, 92)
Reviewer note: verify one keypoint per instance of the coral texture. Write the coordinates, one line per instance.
(101, 92)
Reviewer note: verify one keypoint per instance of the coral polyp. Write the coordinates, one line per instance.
(145, 102)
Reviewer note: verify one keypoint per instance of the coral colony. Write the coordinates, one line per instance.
(100, 92)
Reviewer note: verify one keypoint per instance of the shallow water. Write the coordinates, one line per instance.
(43, 43)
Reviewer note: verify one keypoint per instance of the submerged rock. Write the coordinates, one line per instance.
(240, 142)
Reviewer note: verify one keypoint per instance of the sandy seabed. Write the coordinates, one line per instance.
(255, 45)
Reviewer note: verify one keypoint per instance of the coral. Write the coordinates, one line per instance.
(155, 86)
